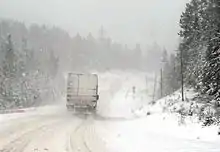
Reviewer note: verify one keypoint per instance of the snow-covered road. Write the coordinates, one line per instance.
(115, 128)
(54, 131)
(64, 132)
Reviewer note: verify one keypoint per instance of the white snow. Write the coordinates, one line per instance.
(157, 132)
(174, 101)
(28, 114)
(122, 92)
(135, 131)
(159, 136)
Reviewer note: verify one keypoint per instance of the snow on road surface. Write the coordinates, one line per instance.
(53, 130)
(121, 124)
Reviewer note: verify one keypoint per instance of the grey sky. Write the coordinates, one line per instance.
(126, 21)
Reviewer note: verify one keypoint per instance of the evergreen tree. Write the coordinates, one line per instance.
(200, 28)
(212, 69)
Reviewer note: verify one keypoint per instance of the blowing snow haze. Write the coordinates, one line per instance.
(125, 21)
(109, 76)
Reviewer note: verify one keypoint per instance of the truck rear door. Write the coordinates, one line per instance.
(82, 89)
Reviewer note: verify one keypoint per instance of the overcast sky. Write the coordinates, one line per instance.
(126, 21)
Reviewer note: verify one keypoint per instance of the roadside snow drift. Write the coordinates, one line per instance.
(158, 133)
(154, 130)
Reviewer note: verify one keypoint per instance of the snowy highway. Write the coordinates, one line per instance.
(51, 131)
(121, 124)
(109, 75)
(60, 131)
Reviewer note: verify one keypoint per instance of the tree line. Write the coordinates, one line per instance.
(199, 48)
(34, 59)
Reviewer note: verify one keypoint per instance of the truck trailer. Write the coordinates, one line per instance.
(82, 92)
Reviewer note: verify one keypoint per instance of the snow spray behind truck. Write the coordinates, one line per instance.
(82, 92)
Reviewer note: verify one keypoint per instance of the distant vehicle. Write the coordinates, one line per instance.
(82, 92)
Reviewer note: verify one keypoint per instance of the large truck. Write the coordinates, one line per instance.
(82, 92)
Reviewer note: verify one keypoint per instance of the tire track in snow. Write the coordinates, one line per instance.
(92, 141)
(76, 141)
(21, 142)
(85, 139)
(12, 129)
(56, 137)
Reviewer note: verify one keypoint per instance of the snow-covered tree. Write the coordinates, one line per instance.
(200, 28)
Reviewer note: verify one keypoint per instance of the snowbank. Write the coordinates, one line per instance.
(193, 106)
(30, 112)
(158, 133)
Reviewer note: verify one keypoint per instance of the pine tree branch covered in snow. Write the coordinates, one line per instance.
(200, 26)
(200, 48)
(24, 81)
